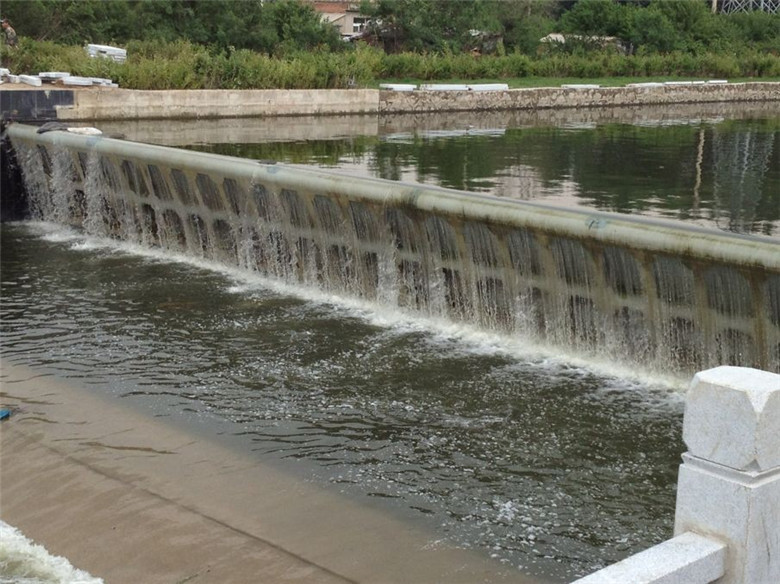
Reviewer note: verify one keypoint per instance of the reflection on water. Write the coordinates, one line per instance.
(541, 463)
(724, 174)
(710, 164)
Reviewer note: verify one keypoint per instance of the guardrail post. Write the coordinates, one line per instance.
(729, 483)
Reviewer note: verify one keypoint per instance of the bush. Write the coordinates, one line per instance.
(184, 65)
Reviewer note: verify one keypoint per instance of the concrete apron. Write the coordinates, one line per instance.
(131, 498)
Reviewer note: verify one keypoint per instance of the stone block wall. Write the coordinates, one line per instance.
(571, 97)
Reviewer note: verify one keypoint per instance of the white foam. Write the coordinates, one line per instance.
(25, 562)
(455, 335)
(488, 87)
(33, 80)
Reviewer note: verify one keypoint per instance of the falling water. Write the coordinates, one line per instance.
(605, 301)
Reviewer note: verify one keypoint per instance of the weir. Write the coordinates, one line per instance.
(660, 294)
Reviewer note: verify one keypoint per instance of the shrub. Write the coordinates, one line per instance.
(183, 65)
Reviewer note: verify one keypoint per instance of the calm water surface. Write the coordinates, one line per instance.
(717, 172)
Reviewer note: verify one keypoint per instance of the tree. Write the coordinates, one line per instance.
(525, 22)
(597, 18)
(430, 25)
(270, 27)
(652, 31)
(289, 25)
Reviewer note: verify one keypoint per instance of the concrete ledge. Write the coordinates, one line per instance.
(31, 104)
(688, 558)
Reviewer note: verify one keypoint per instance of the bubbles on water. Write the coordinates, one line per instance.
(506, 511)
(497, 444)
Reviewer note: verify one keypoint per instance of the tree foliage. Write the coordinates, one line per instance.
(283, 27)
(269, 27)
(597, 17)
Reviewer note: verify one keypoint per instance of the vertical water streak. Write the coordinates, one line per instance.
(95, 220)
(63, 186)
(35, 181)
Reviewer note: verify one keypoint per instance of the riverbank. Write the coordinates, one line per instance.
(73, 105)
(133, 498)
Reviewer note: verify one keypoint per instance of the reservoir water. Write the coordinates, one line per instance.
(713, 165)
(546, 461)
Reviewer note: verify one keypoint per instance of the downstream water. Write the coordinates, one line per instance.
(543, 460)
(550, 464)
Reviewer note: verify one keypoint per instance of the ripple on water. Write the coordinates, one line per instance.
(550, 464)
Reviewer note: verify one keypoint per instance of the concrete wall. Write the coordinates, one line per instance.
(33, 104)
(123, 104)
(560, 97)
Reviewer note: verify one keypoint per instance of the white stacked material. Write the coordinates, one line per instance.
(580, 86)
(444, 87)
(397, 86)
(33, 80)
(75, 80)
(101, 81)
(53, 75)
(4, 72)
(717, 81)
(115, 53)
(678, 82)
(13, 79)
(646, 84)
(489, 87)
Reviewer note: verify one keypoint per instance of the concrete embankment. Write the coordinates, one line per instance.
(121, 104)
(578, 97)
(131, 498)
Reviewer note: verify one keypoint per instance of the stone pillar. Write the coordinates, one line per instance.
(729, 483)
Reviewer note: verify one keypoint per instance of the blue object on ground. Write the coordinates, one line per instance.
(5, 414)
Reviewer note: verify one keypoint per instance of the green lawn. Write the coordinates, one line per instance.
(524, 82)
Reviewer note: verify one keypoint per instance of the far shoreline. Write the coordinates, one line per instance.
(51, 102)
